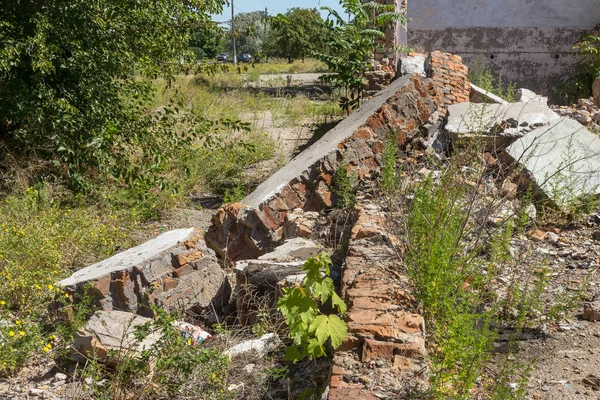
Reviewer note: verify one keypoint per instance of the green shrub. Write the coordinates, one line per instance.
(350, 42)
(69, 91)
(343, 187)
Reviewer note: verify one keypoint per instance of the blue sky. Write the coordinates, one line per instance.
(274, 6)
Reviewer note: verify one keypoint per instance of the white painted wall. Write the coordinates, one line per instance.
(529, 42)
(427, 14)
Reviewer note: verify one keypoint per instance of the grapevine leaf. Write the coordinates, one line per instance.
(329, 326)
(324, 290)
(336, 301)
(315, 349)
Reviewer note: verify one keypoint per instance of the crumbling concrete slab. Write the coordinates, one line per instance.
(562, 160)
(293, 249)
(469, 118)
(480, 95)
(501, 123)
(528, 96)
(174, 270)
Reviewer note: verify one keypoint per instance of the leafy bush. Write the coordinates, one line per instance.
(314, 333)
(579, 84)
(68, 86)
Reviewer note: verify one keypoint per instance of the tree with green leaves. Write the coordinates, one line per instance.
(296, 34)
(69, 82)
(250, 32)
(206, 40)
(351, 43)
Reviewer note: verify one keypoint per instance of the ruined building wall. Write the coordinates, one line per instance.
(527, 41)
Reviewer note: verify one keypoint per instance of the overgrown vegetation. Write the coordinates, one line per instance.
(454, 257)
(579, 84)
(352, 42)
(482, 76)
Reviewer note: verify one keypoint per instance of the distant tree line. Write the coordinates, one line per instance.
(295, 35)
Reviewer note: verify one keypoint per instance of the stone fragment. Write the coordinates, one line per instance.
(591, 311)
(537, 235)
(562, 161)
(413, 64)
(480, 95)
(255, 347)
(293, 250)
(108, 331)
(528, 96)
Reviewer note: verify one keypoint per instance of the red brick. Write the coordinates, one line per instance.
(337, 381)
(363, 133)
(407, 322)
(183, 270)
(350, 343)
(169, 283)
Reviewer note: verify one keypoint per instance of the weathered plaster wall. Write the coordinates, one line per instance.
(527, 41)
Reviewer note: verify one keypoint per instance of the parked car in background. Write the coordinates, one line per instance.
(245, 58)
(223, 57)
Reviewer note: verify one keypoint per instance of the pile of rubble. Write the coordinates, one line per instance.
(586, 112)
(255, 248)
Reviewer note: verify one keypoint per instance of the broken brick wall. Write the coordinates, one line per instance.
(451, 76)
(241, 232)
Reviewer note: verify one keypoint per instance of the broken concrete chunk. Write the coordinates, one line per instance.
(510, 120)
(562, 160)
(293, 249)
(173, 270)
(480, 95)
(528, 96)
(108, 331)
(255, 347)
(414, 64)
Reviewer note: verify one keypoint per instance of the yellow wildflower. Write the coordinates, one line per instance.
(21, 333)
(11, 333)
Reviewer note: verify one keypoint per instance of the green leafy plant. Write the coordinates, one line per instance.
(352, 43)
(579, 84)
(314, 333)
